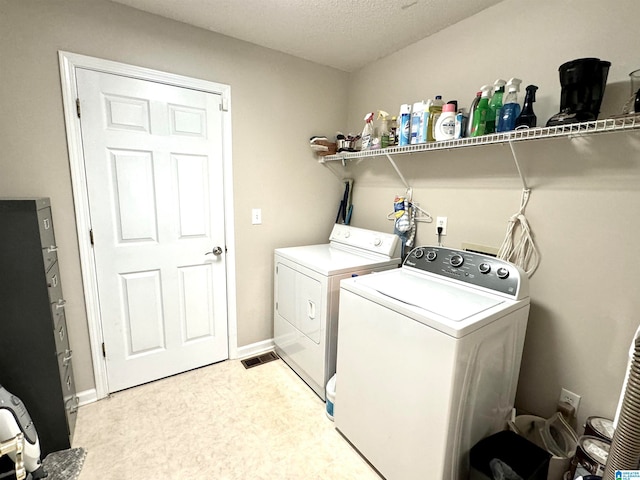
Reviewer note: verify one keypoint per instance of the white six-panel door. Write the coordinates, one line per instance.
(153, 160)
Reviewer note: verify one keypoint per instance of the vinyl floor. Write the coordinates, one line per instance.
(221, 422)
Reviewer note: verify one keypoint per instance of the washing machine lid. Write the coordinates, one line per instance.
(445, 305)
(445, 299)
(328, 260)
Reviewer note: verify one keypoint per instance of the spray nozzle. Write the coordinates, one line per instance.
(514, 84)
(486, 90)
(498, 84)
(382, 115)
(369, 117)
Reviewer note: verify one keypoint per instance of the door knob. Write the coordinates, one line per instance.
(217, 251)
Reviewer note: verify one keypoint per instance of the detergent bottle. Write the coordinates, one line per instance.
(480, 114)
(446, 124)
(367, 131)
(528, 117)
(511, 108)
(435, 109)
(495, 104)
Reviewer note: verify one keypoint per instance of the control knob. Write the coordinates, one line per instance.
(377, 242)
(484, 267)
(502, 272)
(431, 256)
(419, 253)
(456, 260)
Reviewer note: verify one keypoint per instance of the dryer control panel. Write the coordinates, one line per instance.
(370, 241)
(471, 268)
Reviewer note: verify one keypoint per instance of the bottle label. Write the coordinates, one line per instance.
(448, 126)
(366, 141)
(460, 126)
(405, 130)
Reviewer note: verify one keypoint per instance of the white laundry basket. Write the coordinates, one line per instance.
(331, 396)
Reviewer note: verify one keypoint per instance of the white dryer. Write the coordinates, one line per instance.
(307, 287)
(428, 360)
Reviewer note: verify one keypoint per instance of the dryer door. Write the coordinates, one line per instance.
(299, 301)
(309, 293)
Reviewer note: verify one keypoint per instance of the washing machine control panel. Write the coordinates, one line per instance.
(469, 267)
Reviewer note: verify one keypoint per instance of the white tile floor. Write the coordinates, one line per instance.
(220, 422)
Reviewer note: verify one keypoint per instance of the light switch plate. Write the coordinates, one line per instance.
(256, 216)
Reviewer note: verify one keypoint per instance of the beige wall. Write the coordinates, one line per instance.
(583, 208)
(278, 102)
(585, 198)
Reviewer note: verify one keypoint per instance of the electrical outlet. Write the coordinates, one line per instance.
(441, 222)
(569, 397)
(256, 216)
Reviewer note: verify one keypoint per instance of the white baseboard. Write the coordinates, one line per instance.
(87, 396)
(254, 349)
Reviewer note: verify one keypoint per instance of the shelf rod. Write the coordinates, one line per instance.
(515, 159)
(393, 164)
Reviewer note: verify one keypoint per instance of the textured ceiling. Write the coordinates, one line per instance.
(345, 34)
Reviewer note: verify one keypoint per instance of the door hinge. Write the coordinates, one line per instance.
(104, 350)
(91, 236)
(224, 106)
(78, 107)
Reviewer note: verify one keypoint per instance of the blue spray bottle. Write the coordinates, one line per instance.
(511, 108)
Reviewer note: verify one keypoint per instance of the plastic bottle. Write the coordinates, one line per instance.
(435, 109)
(480, 115)
(384, 128)
(416, 121)
(472, 111)
(367, 131)
(393, 132)
(495, 104)
(424, 124)
(446, 124)
(511, 108)
(527, 117)
(460, 129)
(404, 133)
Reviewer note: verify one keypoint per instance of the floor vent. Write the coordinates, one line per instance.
(260, 359)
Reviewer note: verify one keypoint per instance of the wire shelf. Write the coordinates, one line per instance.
(616, 124)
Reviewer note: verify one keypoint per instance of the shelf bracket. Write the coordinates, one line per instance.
(515, 159)
(395, 167)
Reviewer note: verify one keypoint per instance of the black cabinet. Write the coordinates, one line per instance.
(35, 358)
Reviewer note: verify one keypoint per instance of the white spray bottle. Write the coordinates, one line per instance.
(367, 131)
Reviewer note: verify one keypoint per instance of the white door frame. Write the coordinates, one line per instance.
(68, 64)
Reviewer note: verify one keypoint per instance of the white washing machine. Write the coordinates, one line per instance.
(307, 287)
(428, 360)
